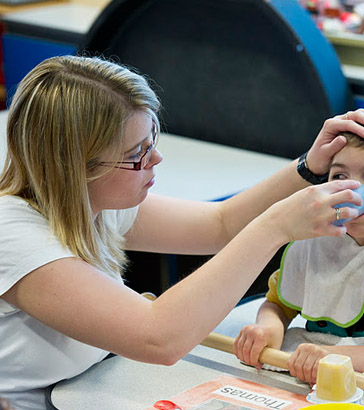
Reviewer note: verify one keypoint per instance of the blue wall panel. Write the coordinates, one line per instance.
(21, 54)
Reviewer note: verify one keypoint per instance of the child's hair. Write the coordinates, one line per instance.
(353, 140)
(65, 113)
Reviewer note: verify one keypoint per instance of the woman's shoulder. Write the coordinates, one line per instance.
(6, 200)
(16, 209)
(15, 203)
(23, 227)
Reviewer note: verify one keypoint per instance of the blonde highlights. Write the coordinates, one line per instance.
(64, 115)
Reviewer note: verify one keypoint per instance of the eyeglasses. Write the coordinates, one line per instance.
(144, 156)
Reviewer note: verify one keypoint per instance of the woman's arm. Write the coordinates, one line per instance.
(192, 227)
(189, 227)
(76, 299)
(238, 211)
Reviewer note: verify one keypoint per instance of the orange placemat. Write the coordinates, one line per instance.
(231, 393)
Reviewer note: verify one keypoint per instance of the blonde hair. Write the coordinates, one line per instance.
(65, 113)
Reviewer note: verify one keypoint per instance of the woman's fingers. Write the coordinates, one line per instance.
(340, 194)
(356, 116)
(353, 121)
(344, 197)
(329, 141)
(334, 146)
(340, 185)
(345, 213)
(310, 212)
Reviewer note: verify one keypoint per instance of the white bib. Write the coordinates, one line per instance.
(324, 279)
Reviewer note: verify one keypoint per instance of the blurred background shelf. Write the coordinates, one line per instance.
(349, 47)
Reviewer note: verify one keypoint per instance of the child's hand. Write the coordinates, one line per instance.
(303, 363)
(251, 341)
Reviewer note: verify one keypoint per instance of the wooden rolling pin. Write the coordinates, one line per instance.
(270, 356)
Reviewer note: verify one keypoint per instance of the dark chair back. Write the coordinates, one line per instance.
(253, 74)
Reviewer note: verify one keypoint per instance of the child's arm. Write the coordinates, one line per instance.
(356, 354)
(267, 332)
(272, 321)
(303, 363)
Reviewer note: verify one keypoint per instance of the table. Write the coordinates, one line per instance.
(198, 170)
(127, 385)
(65, 22)
(11, 8)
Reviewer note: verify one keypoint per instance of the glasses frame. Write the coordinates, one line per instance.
(139, 165)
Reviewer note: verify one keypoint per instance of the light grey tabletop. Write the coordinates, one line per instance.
(73, 18)
(123, 384)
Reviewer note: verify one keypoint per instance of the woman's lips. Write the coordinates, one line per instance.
(150, 183)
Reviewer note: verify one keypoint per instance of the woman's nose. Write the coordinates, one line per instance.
(156, 158)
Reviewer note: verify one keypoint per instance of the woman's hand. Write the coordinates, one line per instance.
(329, 141)
(310, 212)
(303, 363)
(251, 341)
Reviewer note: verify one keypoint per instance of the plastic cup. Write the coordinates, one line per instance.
(335, 378)
(336, 383)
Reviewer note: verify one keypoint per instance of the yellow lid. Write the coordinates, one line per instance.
(334, 406)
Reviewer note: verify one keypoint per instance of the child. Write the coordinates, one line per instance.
(323, 279)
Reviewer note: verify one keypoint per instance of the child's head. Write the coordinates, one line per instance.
(348, 163)
(66, 113)
(343, 160)
(353, 140)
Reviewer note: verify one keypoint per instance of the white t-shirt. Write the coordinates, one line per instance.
(32, 355)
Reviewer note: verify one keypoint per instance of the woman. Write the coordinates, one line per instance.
(82, 137)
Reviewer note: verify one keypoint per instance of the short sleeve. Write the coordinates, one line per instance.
(272, 296)
(26, 243)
